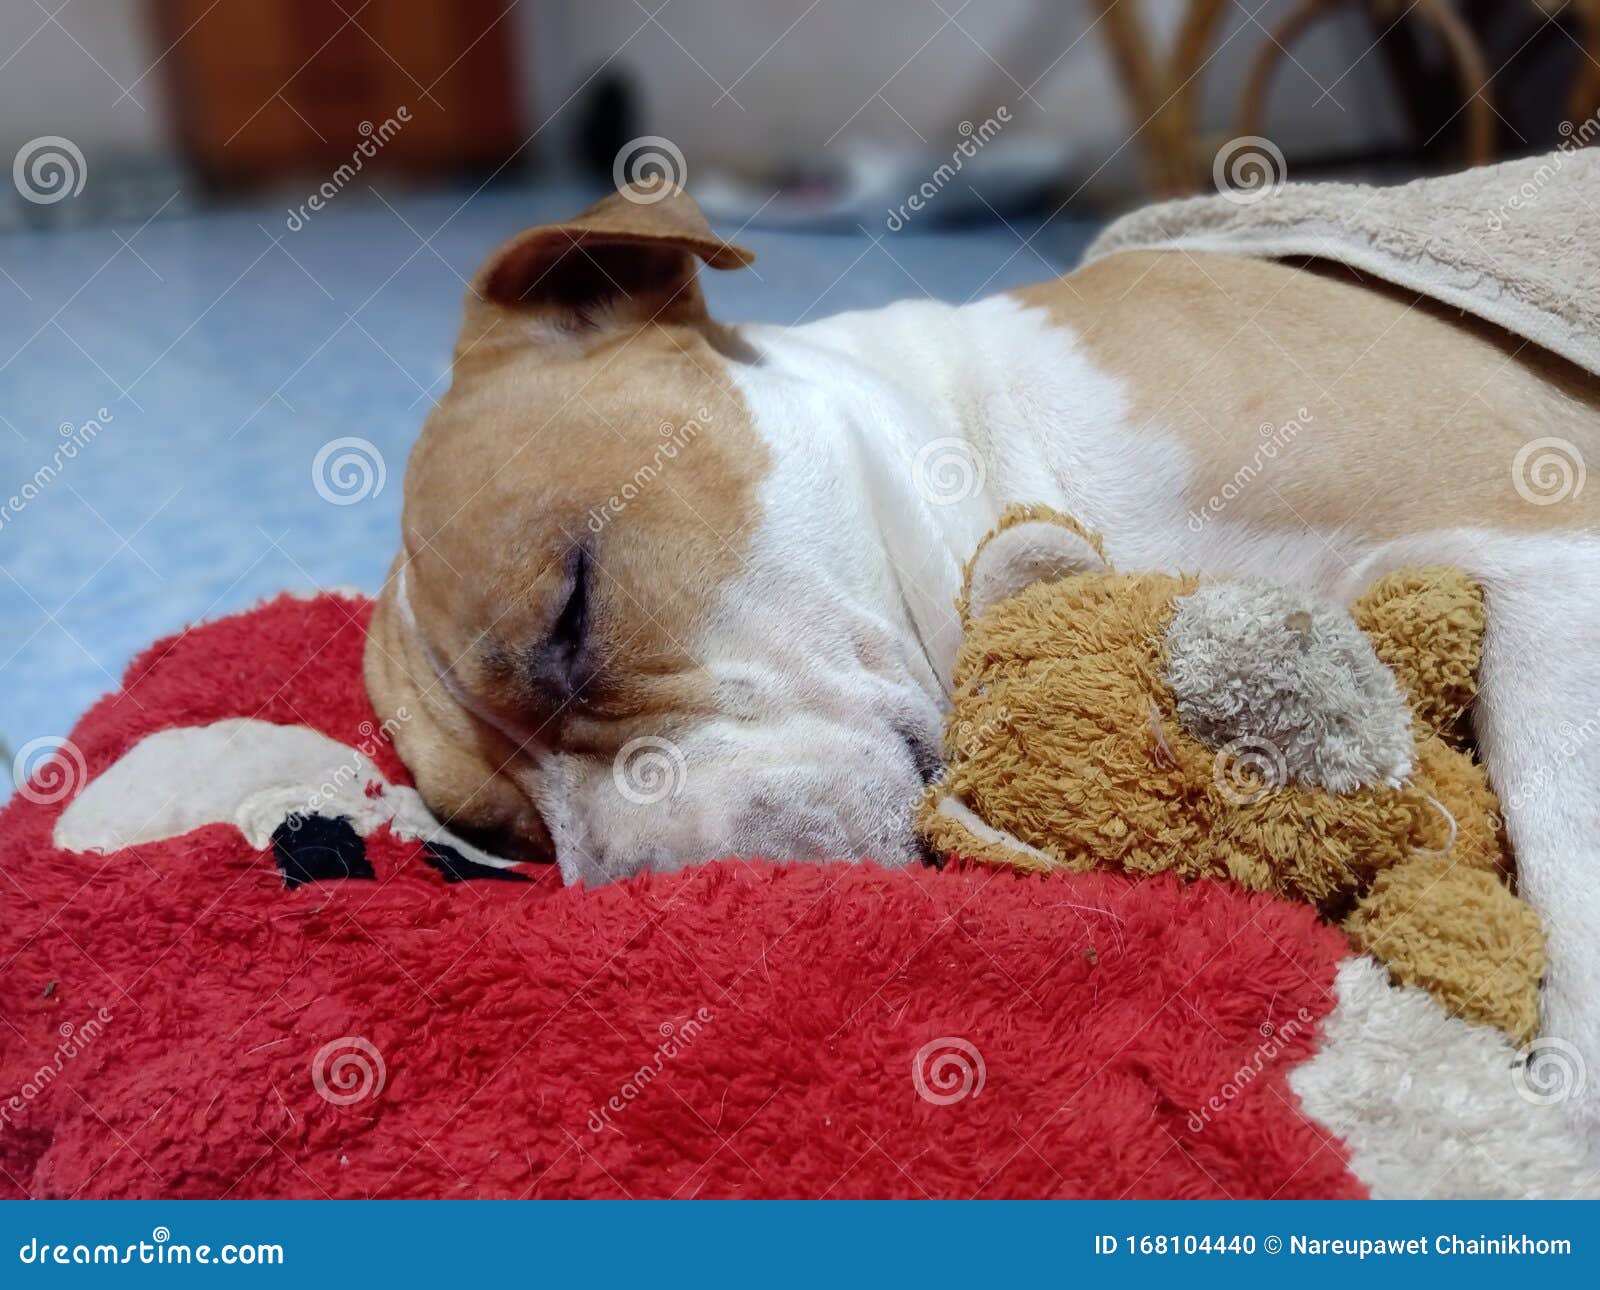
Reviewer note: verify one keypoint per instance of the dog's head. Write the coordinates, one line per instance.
(613, 633)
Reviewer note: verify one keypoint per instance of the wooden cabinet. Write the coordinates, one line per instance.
(263, 90)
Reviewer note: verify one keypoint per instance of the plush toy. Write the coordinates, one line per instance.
(1241, 730)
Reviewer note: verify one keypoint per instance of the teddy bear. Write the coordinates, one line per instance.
(1242, 730)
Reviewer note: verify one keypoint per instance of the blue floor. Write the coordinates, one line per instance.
(225, 350)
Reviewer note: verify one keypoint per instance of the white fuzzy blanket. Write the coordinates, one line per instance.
(1517, 244)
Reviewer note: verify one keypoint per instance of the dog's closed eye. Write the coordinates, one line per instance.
(562, 664)
(567, 637)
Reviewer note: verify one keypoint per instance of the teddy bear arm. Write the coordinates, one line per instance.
(1461, 935)
(1427, 626)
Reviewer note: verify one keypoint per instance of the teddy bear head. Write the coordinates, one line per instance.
(1152, 722)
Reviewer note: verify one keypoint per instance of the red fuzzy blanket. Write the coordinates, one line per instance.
(199, 1016)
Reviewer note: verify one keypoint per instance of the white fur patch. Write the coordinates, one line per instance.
(900, 434)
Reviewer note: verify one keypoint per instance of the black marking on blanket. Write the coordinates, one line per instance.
(309, 848)
(455, 867)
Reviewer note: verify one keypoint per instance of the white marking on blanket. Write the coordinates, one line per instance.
(1428, 1104)
(247, 773)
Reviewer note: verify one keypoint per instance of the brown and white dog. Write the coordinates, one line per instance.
(671, 590)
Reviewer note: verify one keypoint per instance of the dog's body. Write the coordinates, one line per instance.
(639, 657)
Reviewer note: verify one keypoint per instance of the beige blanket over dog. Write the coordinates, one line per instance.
(1517, 244)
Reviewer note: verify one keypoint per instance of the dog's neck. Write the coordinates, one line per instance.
(932, 419)
(940, 417)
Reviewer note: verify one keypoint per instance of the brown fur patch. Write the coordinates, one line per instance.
(609, 425)
(1418, 413)
(523, 462)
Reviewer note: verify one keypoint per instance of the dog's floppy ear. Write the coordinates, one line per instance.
(627, 259)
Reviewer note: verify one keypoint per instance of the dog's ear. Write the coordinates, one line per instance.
(626, 260)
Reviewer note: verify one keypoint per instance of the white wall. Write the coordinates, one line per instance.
(788, 99)
(794, 96)
(49, 85)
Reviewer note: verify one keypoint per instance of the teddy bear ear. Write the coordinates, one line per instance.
(1035, 546)
(1427, 626)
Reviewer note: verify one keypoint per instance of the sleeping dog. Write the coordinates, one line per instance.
(671, 590)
